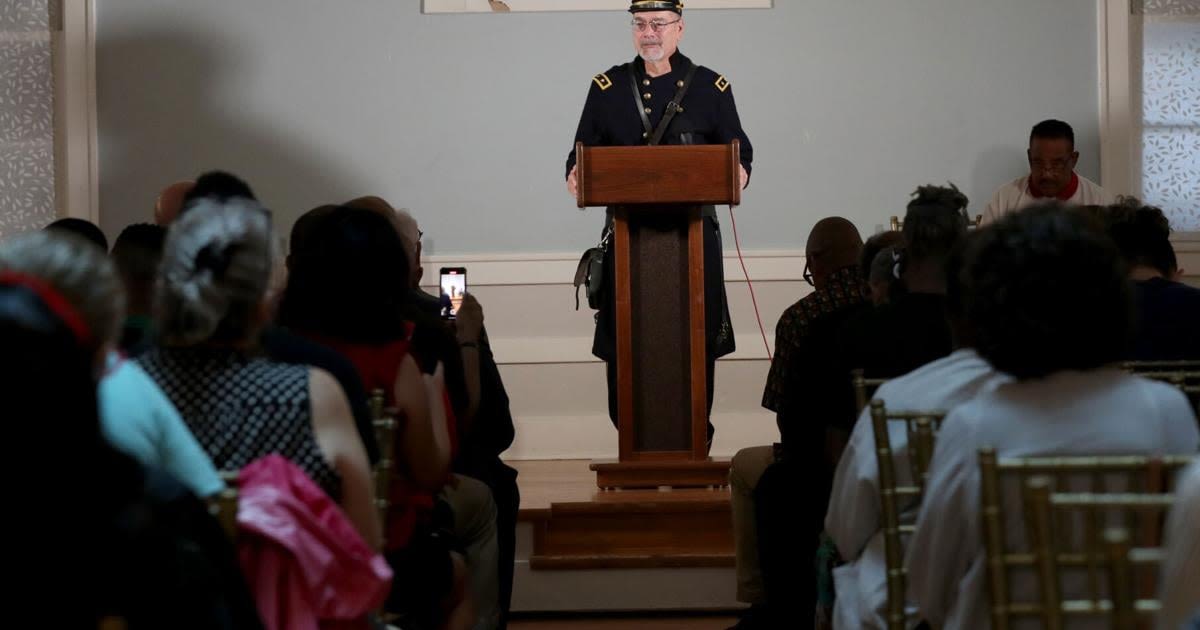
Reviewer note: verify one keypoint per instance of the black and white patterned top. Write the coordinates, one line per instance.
(242, 408)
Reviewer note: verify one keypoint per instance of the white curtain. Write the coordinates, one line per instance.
(26, 116)
(1168, 55)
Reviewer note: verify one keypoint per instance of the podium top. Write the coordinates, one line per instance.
(703, 174)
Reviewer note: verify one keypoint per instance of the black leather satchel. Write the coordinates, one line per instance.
(590, 273)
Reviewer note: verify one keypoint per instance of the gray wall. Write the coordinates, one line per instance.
(466, 119)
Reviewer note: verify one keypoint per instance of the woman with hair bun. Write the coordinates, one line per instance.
(212, 304)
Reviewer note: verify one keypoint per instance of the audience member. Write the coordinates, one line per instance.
(1180, 583)
(490, 431)
(347, 290)
(218, 186)
(854, 520)
(1033, 318)
(137, 254)
(882, 283)
(832, 251)
(892, 238)
(1052, 159)
(211, 307)
(141, 550)
(1167, 311)
(135, 416)
(82, 228)
(911, 330)
(170, 202)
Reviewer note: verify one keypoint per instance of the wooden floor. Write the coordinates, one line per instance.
(615, 622)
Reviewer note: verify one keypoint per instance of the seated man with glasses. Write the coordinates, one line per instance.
(673, 102)
(831, 268)
(1052, 158)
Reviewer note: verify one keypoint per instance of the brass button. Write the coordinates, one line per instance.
(647, 110)
(679, 84)
(645, 134)
(646, 96)
(645, 81)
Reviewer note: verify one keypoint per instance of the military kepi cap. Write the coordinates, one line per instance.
(639, 6)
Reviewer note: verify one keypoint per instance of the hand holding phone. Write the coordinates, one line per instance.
(453, 287)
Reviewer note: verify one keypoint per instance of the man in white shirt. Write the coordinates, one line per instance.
(855, 520)
(1052, 177)
(1032, 317)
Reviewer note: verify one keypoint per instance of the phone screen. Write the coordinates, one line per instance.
(453, 287)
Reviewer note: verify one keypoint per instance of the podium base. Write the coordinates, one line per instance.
(612, 474)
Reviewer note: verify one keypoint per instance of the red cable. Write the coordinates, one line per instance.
(753, 300)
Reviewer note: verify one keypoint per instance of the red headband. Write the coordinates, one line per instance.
(53, 301)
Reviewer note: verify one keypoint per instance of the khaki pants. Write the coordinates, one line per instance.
(475, 528)
(747, 468)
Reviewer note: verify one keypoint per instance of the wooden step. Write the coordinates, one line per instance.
(577, 526)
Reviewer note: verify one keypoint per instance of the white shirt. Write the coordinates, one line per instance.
(1015, 195)
(855, 520)
(1069, 413)
(1181, 568)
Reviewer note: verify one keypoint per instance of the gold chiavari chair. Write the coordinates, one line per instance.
(921, 427)
(224, 505)
(896, 224)
(864, 388)
(1053, 549)
(384, 421)
(1184, 374)
(1048, 530)
(1120, 578)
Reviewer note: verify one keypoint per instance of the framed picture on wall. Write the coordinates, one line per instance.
(506, 6)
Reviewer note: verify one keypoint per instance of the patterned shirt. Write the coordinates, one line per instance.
(843, 289)
(242, 408)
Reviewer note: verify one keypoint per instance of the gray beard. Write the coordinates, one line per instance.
(659, 56)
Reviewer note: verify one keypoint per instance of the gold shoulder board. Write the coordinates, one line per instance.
(722, 83)
(602, 81)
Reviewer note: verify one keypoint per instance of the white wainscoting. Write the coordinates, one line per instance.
(543, 346)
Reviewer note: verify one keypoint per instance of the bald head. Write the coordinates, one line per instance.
(170, 202)
(410, 232)
(834, 243)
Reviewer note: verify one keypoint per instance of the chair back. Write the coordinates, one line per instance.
(897, 224)
(1184, 375)
(864, 388)
(224, 505)
(384, 421)
(921, 427)
(1055, 552)
(1064, 528)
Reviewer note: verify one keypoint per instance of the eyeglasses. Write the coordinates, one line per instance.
(420, 235)
(640, 26)
(1051, 166)
(808, 277)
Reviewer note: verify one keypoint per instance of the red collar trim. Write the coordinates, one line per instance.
(1065, 195)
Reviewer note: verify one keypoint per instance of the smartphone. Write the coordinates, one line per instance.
(453, 287)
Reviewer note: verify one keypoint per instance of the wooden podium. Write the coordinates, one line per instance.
(658, 239)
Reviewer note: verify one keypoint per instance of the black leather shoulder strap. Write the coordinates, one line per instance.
(675, 106)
